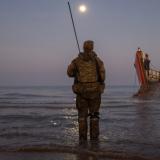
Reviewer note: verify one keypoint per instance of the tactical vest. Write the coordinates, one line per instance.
(86, 81)
(87, 71)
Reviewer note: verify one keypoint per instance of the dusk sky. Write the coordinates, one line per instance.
(37, 40)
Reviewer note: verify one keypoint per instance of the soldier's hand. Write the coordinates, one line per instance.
(71, 70)
(71, 66)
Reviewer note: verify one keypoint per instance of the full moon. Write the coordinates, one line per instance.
(82, 8)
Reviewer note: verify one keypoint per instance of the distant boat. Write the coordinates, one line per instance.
(149, 82)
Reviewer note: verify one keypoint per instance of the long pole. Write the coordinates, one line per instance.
(74, 28)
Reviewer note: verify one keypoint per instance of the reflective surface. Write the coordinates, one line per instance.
(44, 119)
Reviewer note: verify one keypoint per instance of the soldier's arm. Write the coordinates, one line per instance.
(101, 69)
(71, 71)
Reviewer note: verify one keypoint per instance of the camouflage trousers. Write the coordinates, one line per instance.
(88, 107)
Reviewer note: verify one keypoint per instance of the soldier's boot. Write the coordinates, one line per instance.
(94, 126)
(82, 129)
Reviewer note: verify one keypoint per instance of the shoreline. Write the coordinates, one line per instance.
(71, 152)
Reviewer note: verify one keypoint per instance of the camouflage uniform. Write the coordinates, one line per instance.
(89, 73)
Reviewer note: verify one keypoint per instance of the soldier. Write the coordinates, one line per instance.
(147, 64)
(89, 75)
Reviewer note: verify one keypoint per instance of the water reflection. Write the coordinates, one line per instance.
(87, 150)
(145, 122)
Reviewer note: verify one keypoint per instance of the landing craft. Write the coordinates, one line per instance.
(148, 83)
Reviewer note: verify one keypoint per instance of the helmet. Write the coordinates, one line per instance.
(88, 45)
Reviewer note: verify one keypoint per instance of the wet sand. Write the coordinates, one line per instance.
(66, 156)
(81, 152)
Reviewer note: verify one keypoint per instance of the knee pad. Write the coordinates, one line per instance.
(94, 115)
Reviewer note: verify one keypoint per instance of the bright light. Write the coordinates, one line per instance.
(82, 8)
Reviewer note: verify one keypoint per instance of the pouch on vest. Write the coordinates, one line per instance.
(88, 90)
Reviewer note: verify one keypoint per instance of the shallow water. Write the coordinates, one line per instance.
(44, 119)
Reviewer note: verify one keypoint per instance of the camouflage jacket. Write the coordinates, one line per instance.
(75, 66)
(92, 80)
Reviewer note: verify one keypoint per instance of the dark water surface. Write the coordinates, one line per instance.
(41, 123)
